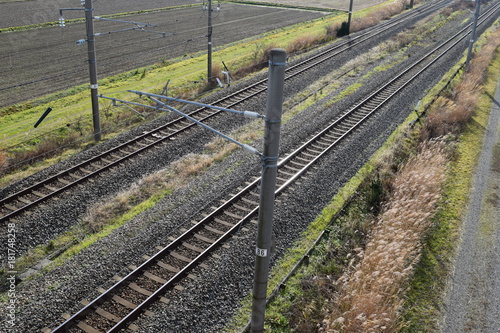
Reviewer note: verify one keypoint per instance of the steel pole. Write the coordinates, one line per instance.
(209, 35)
(473, 34)
(268, 185)
(89, 21)
(349, 17)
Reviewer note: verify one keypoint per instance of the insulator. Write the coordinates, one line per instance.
(82, 2)
(61, 22)
(218, 8)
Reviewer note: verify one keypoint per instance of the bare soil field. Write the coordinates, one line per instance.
(14, 13)
(41, 61)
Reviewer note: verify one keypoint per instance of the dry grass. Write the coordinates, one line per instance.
(376, 17)
(153, 184)
(4, 163)
(260, 59)
(41, 148)
(307, 42)
(174, 177)
(303, 43)
(371, 289)
(455, 110)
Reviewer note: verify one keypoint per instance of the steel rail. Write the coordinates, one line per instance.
(358, 112)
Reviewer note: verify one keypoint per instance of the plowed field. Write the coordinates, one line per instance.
(41, 61)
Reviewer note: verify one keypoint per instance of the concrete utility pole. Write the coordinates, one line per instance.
(89, 21)
(473, 34)
(268, 185)
(349, 17)
(209, 36)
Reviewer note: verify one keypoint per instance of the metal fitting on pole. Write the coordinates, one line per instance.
(268, 186)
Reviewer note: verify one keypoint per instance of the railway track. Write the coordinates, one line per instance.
(17, 203)
(117, 307)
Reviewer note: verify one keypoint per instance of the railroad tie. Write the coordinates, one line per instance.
(180, 257)
(233, 215)
(255, 203)
(284, 180)
(10, 207)
(64, 181)
(23, 200)
(216, 231)
(289, 174)
(227, 224)
(168, 267)
(124, 302)
(205, 239)
(86, 327)
(192, 247)
(155, 278)
(85, 170)
(107, 315)
(139, 289)
(74, 176)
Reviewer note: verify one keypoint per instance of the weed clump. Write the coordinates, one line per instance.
(455, 110)
(372, 286)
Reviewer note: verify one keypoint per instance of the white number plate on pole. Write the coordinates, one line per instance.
(261, 252)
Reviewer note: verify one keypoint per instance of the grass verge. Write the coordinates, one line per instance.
(425, 295)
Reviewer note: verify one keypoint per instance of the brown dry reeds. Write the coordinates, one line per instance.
(371, 289)
(454, 111)
(376, 17)
(3, 161)
(303, 43)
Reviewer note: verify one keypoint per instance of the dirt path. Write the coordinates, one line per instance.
(473, 303)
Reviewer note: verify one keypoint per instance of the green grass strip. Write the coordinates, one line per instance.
(429, 283)
(280, 5)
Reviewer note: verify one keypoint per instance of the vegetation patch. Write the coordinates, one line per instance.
(426, 291)
(370, 292)
(281, 5)
(317, 297)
